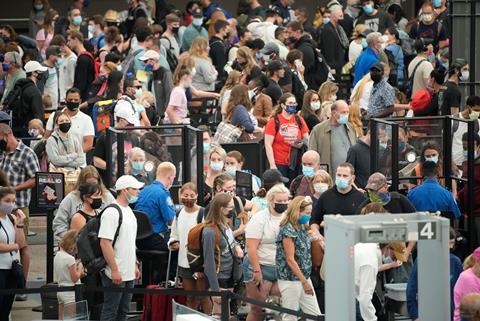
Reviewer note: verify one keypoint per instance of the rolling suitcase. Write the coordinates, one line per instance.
(158, 307)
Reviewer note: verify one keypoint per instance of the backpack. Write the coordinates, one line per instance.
(409, 83)
(102, 115)
(277, 122)
(392, 63)
(96, 62)
(128, 64)
(15, 104)
(171, 58)
(195, 247)
(88, 243)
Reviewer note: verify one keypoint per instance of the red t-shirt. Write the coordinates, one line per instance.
(288, 133)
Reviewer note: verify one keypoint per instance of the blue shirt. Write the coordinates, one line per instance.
(412, 286)
(432, 197)
(362, 66)
(156, 202)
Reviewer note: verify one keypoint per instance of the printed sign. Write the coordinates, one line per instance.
(50, 189)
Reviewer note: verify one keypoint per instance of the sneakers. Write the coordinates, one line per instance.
(21, 297)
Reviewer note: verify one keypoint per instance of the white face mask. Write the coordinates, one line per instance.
(315, 105)
(320, 187)
(465, 75)
(334, 98)
(474, 115)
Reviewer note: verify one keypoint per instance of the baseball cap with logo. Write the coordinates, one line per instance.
(125, 110)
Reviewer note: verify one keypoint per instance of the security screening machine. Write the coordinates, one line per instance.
(432, 234)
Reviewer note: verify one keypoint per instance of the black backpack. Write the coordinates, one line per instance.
(88, 243)
(392, 64)
(171, 58)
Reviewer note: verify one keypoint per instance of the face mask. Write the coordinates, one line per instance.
(291, 109)
(342, 183)
(432, 159)
(33, 132)
(368, 9)
(91, 29)
(119, 67)
(132, 199)
(465, 75)
(72, 105)
(197, 22)
(382, 198)
(427, 18)
(474, 115)
(303, 219)
(343, 119)
(3, 145)
(326, 20)
(175, 29)
(333, 98)
(206, 147)
(102, 78)
(148, 67)
(188, 202)
(251, 94)
(232, 170)
(307, 171)
(77, 20)
(292, 39)
(216, 166)
(465, 155)
(7, 208)
(137, 167)
(6, 39)
(320, 187)
(315, 105)
(187, 85)
(59, 62)
(38, 7)
(280, 207)
(401, 146)
(96, 203)
(383, 145)
(64, 127)
(266, 58)
(437, 3)
(227, 36)
(5, 67)
(364, 43)
(138, 93)
(376, 77)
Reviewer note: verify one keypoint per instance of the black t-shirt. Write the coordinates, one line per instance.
(452, 97)
(334, 202)
(435, 31)
(398, 205)
(311, 121)
(274, 91)
(378, 22)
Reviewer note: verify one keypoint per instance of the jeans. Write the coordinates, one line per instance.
(116, 304)
(6, 301)
(295, 298)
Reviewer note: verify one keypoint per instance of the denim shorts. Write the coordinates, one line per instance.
(269, 273)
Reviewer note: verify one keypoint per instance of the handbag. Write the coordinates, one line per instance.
(237, 268)
(227, 133)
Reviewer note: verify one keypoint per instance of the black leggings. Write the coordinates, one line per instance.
(6, 301)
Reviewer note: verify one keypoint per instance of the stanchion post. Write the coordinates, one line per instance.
(49, 246)
(79, 292)
(225, 314)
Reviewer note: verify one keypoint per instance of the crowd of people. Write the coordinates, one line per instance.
(308, 89)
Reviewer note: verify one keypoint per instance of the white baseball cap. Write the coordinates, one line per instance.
(150, 54)
(33, 65)
(127, 181)
(124, 109)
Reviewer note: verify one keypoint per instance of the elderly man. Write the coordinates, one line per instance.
(368, 57)
(333, 137)
(12, 65)
(301, 184)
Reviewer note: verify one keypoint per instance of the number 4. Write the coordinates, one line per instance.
(427, 230)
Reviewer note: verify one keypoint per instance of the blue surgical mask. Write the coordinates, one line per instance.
(304, 219)
(132, 199)
(137, 167)
(232, 170)
(364, 43)
(291, 109)
(38, 7)
(148, 67)
(307, 171)
(465, 155)
(437, 3)
(326, 20)
(5, 67)
(91, 29)
(342, 183)
(368, 9)
(197, 22)
(343, 119)
(206, 147)
(77, 20)
(432, 159)
(138, 93)
(216, 166)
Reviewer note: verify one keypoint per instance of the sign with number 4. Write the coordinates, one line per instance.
(427, 231)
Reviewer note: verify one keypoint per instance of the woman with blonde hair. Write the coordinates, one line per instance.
(293, 259)
(361, 94)
(216, 164)
(136, 166)
(245, 63)
(321, 182)
(233, 79)
(205, 73)
(328, 95)
(355, 118)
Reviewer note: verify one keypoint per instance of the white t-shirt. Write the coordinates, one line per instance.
(264, 227)
(51, 86)
(180, 229)
(422, 74)
(66, 75)
(124, 249)
(82, 125)
(61, 267)
(367, 260)
(354, 51)
(6, 259)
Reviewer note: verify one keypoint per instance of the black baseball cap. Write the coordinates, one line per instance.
(271, 176)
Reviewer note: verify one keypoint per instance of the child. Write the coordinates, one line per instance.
(67, 271)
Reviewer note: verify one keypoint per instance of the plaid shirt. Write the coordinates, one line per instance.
(382, 96)
(20, 165)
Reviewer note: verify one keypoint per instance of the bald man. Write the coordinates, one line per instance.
(301, 184)
(156, 202)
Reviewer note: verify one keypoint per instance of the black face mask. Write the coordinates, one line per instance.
(376, 77)
(96, 204)
(291, 39)
(65, 127)
(280, 207)
(175, 29)
(3, 145)
(40, 76)
(227, 36)
(72, 105)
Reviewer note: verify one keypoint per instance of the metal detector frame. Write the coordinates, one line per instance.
(432, 234)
